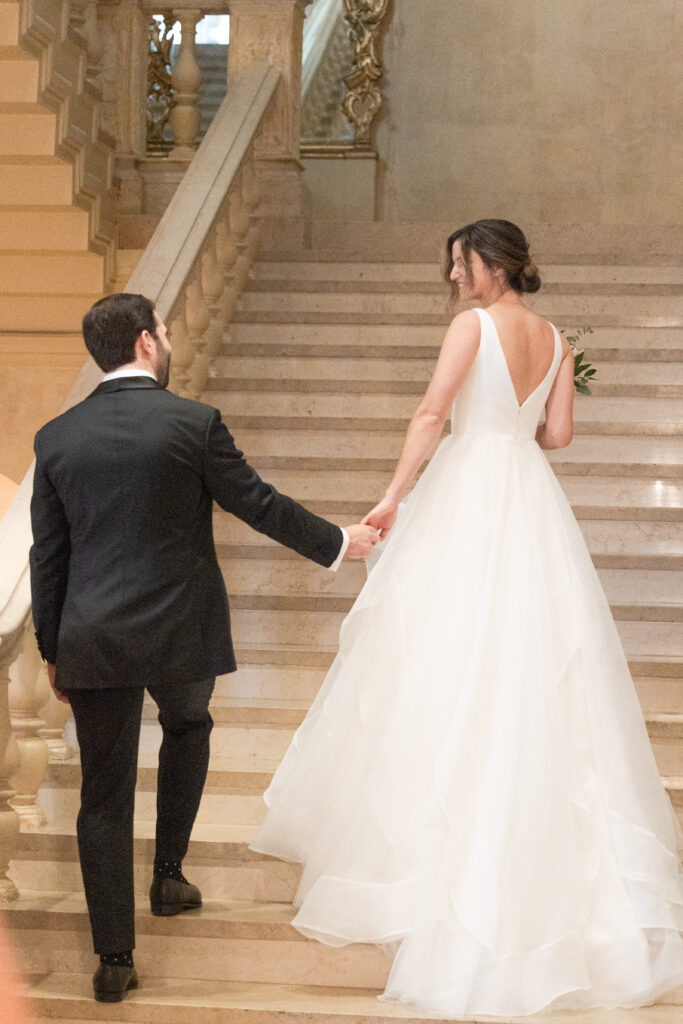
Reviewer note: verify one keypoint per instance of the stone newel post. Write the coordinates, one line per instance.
(272, 30)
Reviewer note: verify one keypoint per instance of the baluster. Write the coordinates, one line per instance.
(9, 762)
(84, 18)
(182, 352)
(212, 289)
(251, 195)
(227, 254)
(239, 225)
(25, 700)
(186, 79)
(198, 318)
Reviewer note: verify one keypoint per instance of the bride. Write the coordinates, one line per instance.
(473, 786)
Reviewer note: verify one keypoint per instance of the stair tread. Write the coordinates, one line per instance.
(220, 832)
(21, 109)
(21, 160)
(43, 208)
(174, 997)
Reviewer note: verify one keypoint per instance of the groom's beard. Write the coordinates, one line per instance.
(163, 367)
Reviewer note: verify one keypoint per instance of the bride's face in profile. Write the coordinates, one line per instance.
(476, 281)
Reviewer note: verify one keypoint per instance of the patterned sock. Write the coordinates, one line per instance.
(124, 959)
(169, 869)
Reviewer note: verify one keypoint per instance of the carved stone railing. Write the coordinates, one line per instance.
(193, 269)
(69, 53)
(364, 98)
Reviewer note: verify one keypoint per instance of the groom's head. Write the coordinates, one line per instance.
(124, 329)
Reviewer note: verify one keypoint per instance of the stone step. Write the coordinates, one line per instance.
(229, 368)
(556, 273)
(42, 348)
(9, 23)
(649, 648)
(250, 743)
(270, 685)
(37, 180)
(565, 316)
(350, 448)
(283, 583)
(269, 404)
(43, 227)
(26, 129)
(623, 341)
(68, 997)
(18, 75)
(46, 273)
(33, 312)
(636, 545)
(219, 860)
(593, 497)
(434, 285)
(651, 629)
(601, 388)
(227, 940)
(393, 241)
(566, 309)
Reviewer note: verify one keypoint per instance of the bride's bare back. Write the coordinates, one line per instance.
(528, 344)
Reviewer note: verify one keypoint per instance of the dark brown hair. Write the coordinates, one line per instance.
(113, 325)
(500, 244)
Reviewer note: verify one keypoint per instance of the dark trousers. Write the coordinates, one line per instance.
(108, 729)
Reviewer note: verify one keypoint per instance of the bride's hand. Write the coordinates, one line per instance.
(382, 517)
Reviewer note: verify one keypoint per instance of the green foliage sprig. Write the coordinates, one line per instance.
(583, 371)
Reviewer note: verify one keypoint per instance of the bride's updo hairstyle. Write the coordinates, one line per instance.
(500, 244)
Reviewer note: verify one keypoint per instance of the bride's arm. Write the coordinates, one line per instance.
(455, 359)
(557, 429)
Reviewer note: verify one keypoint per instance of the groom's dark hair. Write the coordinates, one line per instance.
(113, 325)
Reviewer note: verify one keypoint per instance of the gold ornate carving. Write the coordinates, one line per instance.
(160, 91)
(364, 99)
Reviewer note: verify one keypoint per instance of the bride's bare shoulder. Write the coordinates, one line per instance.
(465, 326)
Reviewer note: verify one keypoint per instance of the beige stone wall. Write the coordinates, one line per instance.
(536, 110)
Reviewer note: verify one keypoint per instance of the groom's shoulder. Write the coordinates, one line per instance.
(189, 408)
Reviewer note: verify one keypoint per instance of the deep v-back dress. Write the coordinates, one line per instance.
(474, 786)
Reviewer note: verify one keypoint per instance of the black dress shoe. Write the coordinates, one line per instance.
(111, 983)
(169, 897)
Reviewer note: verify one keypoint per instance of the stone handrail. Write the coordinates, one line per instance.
(193, 270)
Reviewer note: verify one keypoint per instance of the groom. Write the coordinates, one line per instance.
(127, 595)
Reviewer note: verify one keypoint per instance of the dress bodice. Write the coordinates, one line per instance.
(487, 403)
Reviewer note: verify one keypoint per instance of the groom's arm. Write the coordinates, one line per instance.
(238, 488)
(48, 559)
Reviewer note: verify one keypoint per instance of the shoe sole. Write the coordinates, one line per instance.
(115, 997)
(171, 909)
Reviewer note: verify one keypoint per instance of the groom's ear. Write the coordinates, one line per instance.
(145, 345)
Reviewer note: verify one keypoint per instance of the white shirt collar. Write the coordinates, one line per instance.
(115, 374)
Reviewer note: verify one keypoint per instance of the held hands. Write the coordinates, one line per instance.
(362, 539)
(382, 516)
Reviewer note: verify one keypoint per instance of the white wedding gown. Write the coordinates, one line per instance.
(474, 784)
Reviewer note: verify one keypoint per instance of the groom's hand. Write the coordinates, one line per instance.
(362, 540)
(61, 697)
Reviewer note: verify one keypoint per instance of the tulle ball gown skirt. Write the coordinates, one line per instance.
(474, 785)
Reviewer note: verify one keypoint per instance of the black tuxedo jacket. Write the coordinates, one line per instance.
(126, 585)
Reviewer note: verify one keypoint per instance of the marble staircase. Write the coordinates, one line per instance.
(323, 365)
